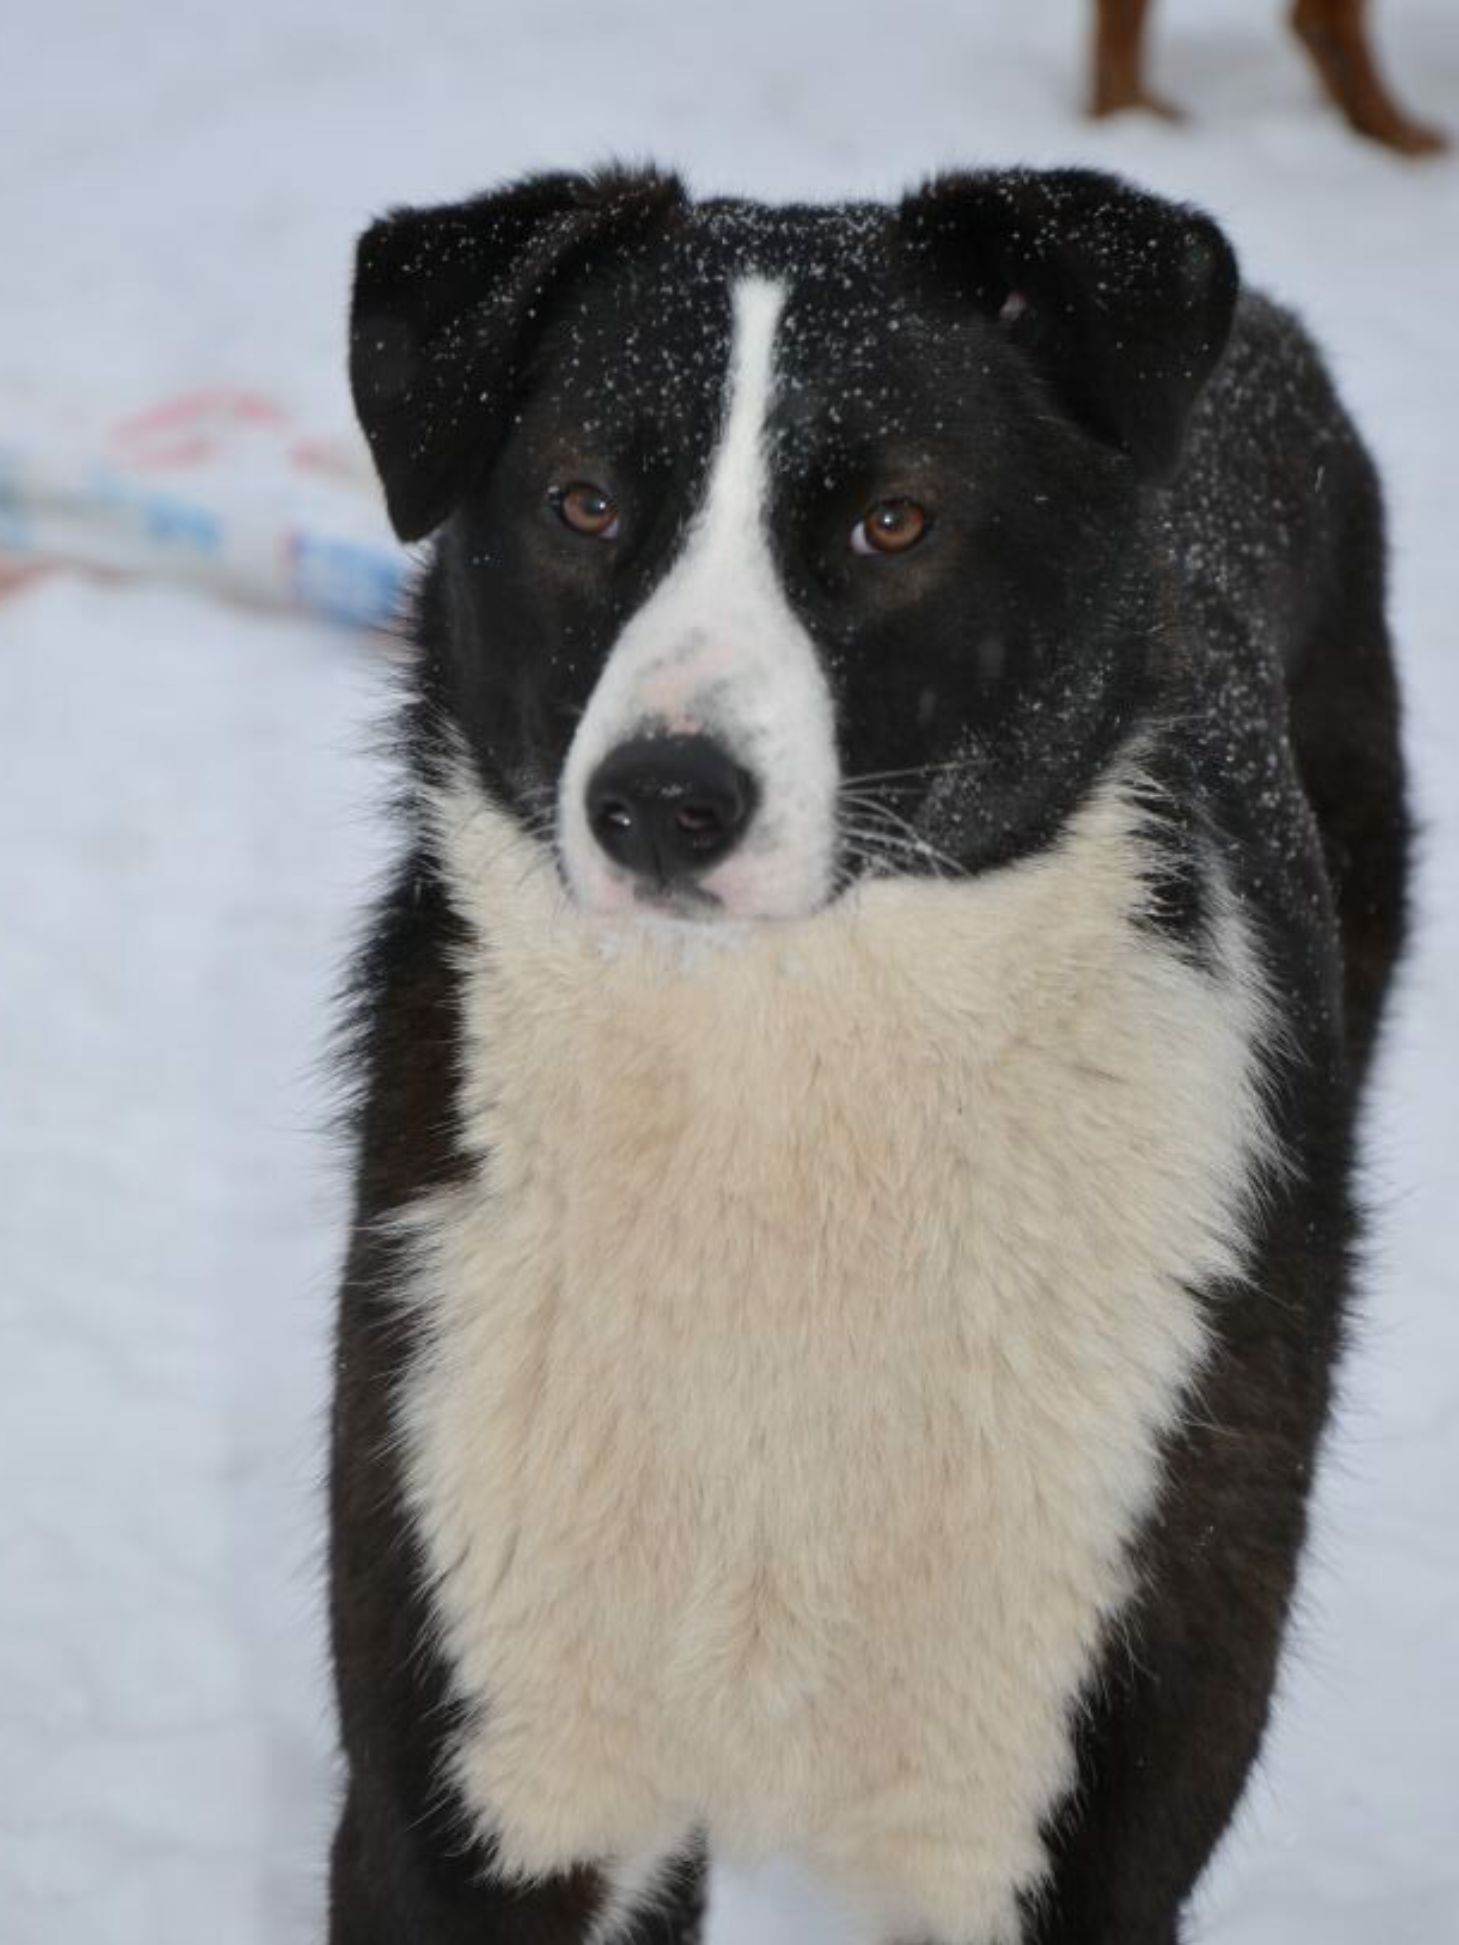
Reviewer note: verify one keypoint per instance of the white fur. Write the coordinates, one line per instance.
(635, 1889)
(717, 648)
(799, 1351)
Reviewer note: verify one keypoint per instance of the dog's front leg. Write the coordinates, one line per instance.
(1119, 61)
(402, 1880)
(397, 1878)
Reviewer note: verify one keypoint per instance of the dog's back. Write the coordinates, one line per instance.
(1279, 526)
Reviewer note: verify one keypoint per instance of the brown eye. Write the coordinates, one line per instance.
(586, 509)
(890, 527)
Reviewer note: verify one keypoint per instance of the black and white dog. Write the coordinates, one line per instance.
(859, 1061)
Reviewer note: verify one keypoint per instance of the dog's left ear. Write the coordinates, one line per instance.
(1123, 300)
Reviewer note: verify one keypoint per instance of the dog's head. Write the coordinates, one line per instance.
(781, 545)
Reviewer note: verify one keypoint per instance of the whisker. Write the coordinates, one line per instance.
(915, 839)
(916, 770)
(882, 844)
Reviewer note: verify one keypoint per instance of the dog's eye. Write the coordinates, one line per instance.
(890, 527)
(587, 509)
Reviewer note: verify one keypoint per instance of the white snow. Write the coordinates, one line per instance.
(186, 831)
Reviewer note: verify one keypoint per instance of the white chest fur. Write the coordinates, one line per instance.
(799, 1352)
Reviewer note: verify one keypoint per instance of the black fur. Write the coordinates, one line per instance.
(1152, 521)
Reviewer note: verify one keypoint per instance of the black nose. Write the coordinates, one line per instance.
(669, 806)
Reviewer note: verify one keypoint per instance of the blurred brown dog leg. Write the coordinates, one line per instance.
(1335, 34)
(1119, 61)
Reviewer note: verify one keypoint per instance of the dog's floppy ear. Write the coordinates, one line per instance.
(446, 304)
(1124, 300)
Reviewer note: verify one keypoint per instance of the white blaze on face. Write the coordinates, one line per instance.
(717, 650)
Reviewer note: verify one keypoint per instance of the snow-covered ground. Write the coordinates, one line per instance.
(186, 830)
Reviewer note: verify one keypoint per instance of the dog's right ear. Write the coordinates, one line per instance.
(447, 302)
